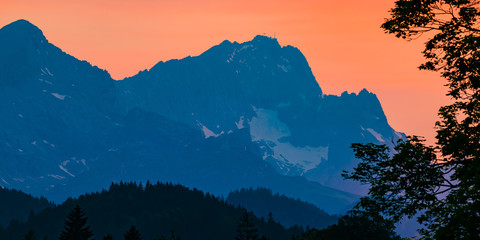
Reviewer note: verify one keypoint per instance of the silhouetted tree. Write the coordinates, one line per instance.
(168, 205)
(108, 237)
(132, 234)
(30, 235)
(18, 205)
(354, 226)
(173, 236)
(441, 184)
(270, 218)
(246, 230)
(75, 227)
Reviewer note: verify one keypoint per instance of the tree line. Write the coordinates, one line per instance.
(349, 227)
(152, 211)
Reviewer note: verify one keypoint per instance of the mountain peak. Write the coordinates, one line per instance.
(265, 40)
(21, 25)
(21, 29)
(365, 92)
(22, 22)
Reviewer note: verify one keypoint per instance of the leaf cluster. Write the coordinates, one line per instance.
(440, 184)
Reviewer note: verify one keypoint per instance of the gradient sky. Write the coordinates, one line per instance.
(341, 40)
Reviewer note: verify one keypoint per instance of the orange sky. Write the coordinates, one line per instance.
(342, 41)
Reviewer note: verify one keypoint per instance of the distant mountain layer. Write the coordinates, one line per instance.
(271, 91)
(275, 207)
(16, 205)
(69, 128)
(155, 210)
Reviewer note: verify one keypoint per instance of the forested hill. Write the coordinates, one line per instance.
(287, 211)
(155, 210)
(18, 205)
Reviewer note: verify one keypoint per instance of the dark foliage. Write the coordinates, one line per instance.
(399, 185)
(18, 205)
(30, 235)
(354, 226)
(287, 211)
(108, 237)
(441, 184)
(76, 227)
(246, 230)
(156, 209)
(132, 234)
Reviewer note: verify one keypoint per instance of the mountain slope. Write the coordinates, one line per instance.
(51, 105)
(287, 211)
(271, 91)
(16, 205)
(64, 133)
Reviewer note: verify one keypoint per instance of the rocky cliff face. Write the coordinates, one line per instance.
(51, 106)
(271, 91)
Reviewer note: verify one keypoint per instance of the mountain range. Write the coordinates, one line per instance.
(239, 115)
(271, 91)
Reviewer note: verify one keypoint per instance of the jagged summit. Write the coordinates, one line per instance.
(260, 44)
(265, 40)
(364, 91)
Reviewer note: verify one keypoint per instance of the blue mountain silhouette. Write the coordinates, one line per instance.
(238, 115)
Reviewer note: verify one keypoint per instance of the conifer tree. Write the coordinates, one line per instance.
(30, 235)
(132, 234)
(108, 237)
(75, 227)
(246, 230)
(173, 236)
(270, 218)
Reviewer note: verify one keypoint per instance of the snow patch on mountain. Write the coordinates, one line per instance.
(207, 132)
(48, 71)
(19, 179)
(240, 123)
(377, 135)
(399, 135)
(59, 96)
(285, 69)
(270, 133)
(45, 71)
(65, 170)
(56, 176)
(84, 162)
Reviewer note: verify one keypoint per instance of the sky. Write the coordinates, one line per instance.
(342, 41)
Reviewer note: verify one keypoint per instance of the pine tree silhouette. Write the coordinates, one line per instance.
(30, 235)
(132, 234)
(173, 236)
(75, 226)
(246, 229)
(108, 237)
(270, 218)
